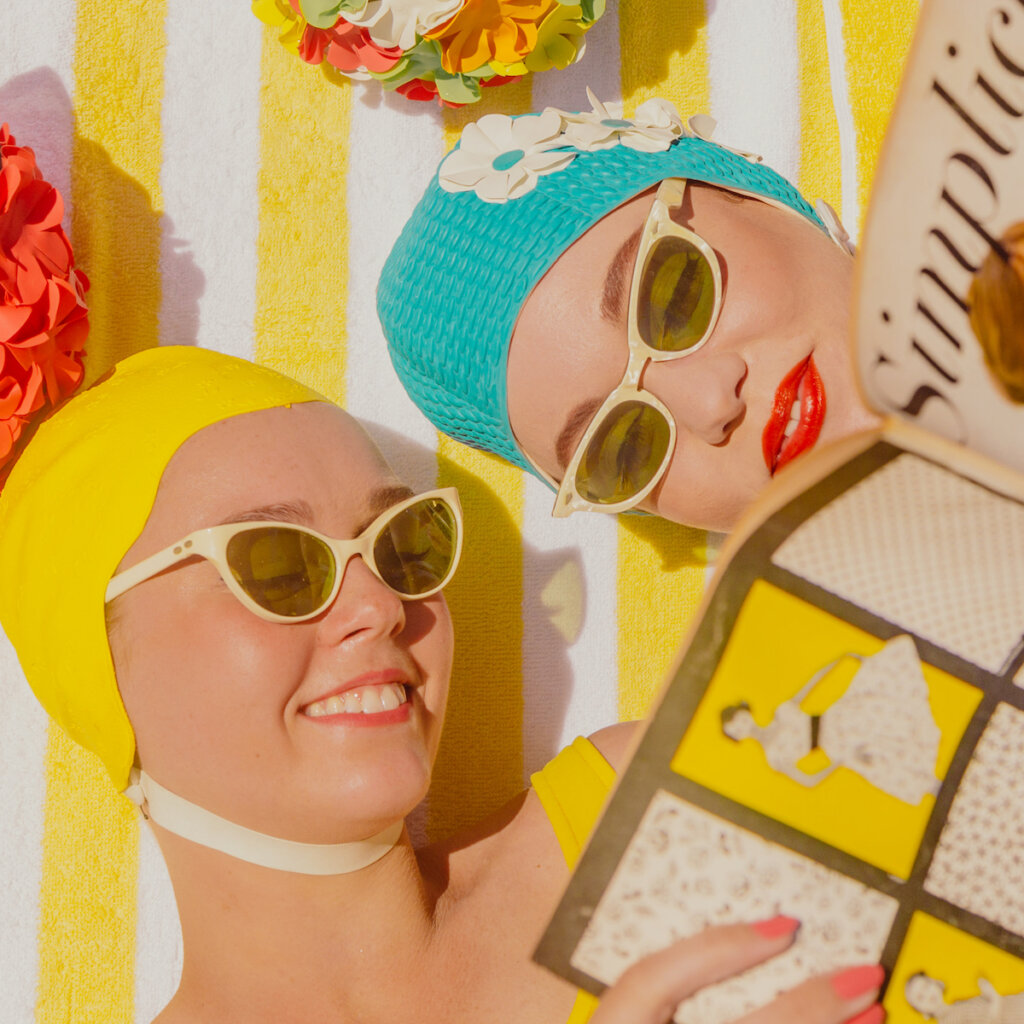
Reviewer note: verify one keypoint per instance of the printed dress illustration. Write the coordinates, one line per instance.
(926, 995)
(881, 727)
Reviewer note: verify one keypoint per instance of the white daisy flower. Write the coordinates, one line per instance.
(652, 129)
(501, 158)
(398, 23)
(703, 126)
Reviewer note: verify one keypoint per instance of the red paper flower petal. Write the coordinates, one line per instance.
(352, 49)
(43, 318)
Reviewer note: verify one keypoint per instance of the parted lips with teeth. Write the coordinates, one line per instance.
(364, 700)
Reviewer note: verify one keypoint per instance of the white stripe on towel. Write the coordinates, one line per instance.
(844, 115)
(211, 147)
(754, 68)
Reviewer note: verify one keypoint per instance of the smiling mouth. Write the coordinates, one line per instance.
(390, 700)
(798, 412)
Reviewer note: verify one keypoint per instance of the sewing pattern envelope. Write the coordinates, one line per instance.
(842, 741)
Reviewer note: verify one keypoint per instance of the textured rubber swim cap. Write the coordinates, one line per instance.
(76, 501)
(456, 279)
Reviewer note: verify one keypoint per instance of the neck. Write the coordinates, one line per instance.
(262, 944)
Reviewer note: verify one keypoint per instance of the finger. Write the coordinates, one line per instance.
(848, 996)
(650, 991)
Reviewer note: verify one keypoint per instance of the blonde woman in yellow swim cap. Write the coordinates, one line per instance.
(254, 641)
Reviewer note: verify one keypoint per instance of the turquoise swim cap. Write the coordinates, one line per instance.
(455, 281)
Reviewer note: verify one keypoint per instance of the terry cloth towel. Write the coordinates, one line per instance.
(222, 193)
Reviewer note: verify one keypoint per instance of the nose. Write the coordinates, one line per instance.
(703, 392)
(363, 606)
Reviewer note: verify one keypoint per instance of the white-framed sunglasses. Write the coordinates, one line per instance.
(675, 298)
(288, 573)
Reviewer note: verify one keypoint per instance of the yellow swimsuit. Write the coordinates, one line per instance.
(572, 789)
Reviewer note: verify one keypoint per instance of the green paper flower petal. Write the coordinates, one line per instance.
(457, 88)
(422, 61)
(324, 13)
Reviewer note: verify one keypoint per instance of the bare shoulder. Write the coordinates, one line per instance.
(518, 839)
(518, 842)
(615, 743)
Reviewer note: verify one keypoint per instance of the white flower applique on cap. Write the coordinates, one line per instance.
(652, 129)
(502, 158)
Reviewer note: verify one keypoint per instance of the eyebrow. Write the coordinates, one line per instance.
(381, 500)
(574, 425)
(301, 512)
(619, 276)
(280, 512)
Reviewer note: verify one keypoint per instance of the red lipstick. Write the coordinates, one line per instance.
(802, 383)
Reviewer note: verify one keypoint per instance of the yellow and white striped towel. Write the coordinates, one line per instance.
(222, 193)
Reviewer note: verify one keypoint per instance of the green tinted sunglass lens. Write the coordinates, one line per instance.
(286, 571)
(677, 296)
(415, 550)
(624, 455)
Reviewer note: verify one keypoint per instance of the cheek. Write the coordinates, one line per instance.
(709, 488)
(188, 691)
(431, 643)
(763, 293)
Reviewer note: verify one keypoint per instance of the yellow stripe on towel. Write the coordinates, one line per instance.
(87, 900)
(664, 52)
(661, 566)
(303, 245)
(87, 906)
(876, 44)
(480, 763)
(115, 174)
(820, 153)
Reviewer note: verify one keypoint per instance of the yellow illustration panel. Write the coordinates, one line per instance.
(826, 728)
(964, 975)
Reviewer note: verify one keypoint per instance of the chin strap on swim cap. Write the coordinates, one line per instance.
(198, 825)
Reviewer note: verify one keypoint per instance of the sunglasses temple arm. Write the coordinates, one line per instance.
(194, 544)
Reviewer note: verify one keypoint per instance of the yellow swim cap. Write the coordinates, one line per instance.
(79, 497)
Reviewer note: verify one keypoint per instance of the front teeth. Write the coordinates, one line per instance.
(367, 700)
(794, 419)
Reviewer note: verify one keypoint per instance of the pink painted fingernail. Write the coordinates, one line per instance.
(855, 981)
(776, 927)
(872, 1015)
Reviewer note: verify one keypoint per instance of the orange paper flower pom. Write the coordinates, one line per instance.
(43, 318)
(503, 31)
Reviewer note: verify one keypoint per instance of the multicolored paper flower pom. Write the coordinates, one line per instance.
(443, 50)
(43, 318)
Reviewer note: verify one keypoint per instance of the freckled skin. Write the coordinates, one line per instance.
(787, 294)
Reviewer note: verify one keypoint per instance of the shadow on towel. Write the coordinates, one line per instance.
(125, 246)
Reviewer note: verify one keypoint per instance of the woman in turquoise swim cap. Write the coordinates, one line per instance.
(635, 314)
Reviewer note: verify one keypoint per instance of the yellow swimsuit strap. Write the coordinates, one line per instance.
(572, 789)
